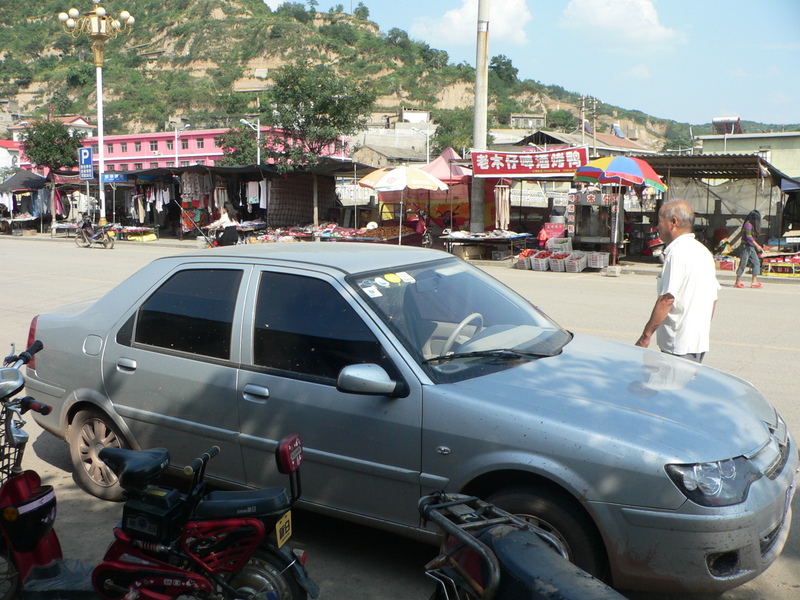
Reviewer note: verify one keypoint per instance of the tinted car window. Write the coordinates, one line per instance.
(192, 312)
(305, 326)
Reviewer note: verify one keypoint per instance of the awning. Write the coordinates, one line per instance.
(23, 180)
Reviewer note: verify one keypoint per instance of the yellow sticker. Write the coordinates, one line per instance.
(283, 528)
(392, 278)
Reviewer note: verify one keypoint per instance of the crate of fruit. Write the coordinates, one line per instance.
(558, 261)
(560, 244)
(576, 262)
(598, 260)
(541, 260)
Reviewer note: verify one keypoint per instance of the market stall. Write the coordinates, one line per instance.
(19, 199)
(597, 217)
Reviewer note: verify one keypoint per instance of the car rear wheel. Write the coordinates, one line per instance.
(90, 432)
(559, 515)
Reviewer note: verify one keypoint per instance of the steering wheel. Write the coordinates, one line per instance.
(478, 317)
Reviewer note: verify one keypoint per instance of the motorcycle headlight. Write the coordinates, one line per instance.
(720, 483)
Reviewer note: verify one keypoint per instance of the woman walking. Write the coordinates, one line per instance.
(751, 250)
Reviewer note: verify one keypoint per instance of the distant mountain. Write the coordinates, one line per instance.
(209, 61)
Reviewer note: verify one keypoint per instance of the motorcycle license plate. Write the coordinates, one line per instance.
(283, 528)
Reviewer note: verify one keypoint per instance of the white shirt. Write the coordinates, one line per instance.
(689, 276)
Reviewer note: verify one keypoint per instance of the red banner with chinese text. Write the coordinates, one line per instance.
(521, 165)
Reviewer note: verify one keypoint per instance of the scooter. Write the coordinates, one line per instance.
(486, 553)
(86, 235)
(214, 545)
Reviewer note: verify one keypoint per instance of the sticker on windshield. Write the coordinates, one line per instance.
(406, 277)
(366, 283)
(392, 278)
(381, 282)
(372, 292)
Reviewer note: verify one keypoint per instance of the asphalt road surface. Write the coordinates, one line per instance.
(755, 335)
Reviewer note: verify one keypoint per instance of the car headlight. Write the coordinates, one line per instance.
(720, 483)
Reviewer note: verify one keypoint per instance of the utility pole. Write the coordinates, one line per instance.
(594, 127)
(583, 117)
(479, 133)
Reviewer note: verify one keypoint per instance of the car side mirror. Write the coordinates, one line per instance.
(368, 379)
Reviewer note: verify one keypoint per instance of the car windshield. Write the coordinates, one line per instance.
(456, 321)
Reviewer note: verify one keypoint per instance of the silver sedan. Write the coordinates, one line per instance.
(407, 370)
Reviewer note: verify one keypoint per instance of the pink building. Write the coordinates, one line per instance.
(137, 151)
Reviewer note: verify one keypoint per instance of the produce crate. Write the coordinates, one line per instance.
(576, 262)
(524, 262)
(501, 254)
(560, 244)
(558, 261)
(541, 261)
(597, 260)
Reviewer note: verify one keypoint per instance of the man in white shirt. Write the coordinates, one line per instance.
(687, 288)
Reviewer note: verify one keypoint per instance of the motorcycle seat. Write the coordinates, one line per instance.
(135, 468)
(221, 504)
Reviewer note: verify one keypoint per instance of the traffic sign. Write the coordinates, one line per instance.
(85, 162)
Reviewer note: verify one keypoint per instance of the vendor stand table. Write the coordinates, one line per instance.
(16, 225)
(135, 233)
(69, 229)
(498, 245)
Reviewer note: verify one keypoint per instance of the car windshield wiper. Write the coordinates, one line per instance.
(504, 353)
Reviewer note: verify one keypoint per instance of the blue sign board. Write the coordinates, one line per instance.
(85, 162)
(114, 177)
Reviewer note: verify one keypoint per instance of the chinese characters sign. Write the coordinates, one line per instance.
(528, 164)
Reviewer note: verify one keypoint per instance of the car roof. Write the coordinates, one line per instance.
(348, 257)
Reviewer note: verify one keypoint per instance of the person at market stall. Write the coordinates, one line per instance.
(751, 250)
(687, 288)
(227, 235)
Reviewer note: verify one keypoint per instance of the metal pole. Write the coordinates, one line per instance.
(477, 200)
(101, 145)
(258, 141)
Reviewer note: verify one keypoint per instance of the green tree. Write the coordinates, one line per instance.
(312, 107)
(361, 12)
(501, 66)
(454, 130)
(238, 146)
(51, 144)
(562, 120)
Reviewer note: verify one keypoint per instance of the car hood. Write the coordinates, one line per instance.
(696, 413)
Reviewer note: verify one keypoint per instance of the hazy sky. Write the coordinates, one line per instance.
(686, 60)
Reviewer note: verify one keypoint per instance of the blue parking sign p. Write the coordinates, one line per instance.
(85, 163)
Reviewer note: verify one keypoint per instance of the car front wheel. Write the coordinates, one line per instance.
(90, 432)
(558, 514)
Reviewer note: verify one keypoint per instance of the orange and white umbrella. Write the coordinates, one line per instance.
(398, 179)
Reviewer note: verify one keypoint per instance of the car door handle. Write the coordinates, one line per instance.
(255, 393)
(126, 365)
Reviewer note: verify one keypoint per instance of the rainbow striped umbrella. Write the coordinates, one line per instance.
(621, 170)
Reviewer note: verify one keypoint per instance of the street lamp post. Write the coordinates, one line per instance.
(257, 129)
(98, 26)
(427, 135)
(177, 135)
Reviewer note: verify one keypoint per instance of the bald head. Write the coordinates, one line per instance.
(675, 218)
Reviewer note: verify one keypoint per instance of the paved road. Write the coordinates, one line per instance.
(756, 335)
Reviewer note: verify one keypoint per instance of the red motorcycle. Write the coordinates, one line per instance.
(210, 545)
